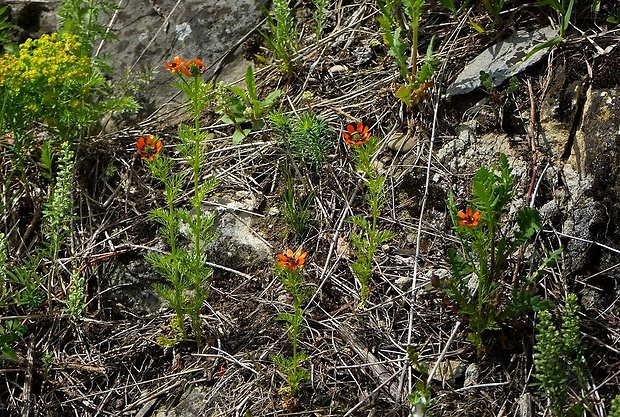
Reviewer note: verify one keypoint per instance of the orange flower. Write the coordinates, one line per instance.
(148, 147)
(470, 219)
(356, 135)
(291, 260)
(174, 66)
(191, 68)
(194, 67)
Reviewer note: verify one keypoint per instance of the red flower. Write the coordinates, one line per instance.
(174, 66)
(356, 135)
(194, 67)
(148, 147)
(291, 260)
(191, 68)
(471, 219)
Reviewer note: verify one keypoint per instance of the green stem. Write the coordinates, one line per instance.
(415, 25)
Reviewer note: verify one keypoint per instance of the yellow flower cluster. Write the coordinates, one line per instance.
(52, 60)
(49, 76)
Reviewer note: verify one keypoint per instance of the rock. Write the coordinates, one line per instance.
(130, 284)
(237, 245)
(192, 404)
(449, 370)
(401, 142)
(337, 69)
(471, 375)
(502, 60)
(363, 55)
(150, 33)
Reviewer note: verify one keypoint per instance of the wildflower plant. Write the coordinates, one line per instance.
(416, 80)
(290, 272)
(184, 267)
(559, 360)
(282, 38)
(476, 284)
(240, 107)
(370, 238)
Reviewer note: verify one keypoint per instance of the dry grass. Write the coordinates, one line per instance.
(109, 363)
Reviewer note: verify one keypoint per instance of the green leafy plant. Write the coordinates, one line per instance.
(289, 272)
(614, 18)
(240, 107)
(53, 81)
(282, 38)
(558, 358)
(476, 284)
(494, 8)
(565, 10)
(184, 267)
(307, 136)
(6, 32)
(320, 7)
(416, 81)
(421, 397)
(614, 410)
(48, 363)
(10, 332)
(371, 238)
(83, 18)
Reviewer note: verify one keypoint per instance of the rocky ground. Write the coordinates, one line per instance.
(560, 129)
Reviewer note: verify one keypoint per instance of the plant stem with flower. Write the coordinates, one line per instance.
(366, 243)
(186, 269)
(478, 270)
(289, 271)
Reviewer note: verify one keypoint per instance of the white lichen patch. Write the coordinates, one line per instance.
(183, 31)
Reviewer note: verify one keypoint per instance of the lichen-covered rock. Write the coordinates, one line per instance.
(151, 32)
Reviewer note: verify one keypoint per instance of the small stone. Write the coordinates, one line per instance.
(401, 142)
(449, 370)
(471, 375)
(363, 54)
(337, 69)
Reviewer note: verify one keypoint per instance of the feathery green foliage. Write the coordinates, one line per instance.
(558, 358)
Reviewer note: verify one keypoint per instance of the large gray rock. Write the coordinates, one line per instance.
(152, 32)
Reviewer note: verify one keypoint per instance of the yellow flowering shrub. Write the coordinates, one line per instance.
(54, 81)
